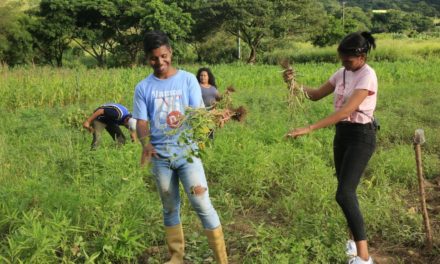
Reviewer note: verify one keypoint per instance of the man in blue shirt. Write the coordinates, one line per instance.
(159, 103)
(110, 116)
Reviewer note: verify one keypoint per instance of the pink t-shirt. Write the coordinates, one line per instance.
(364, 78)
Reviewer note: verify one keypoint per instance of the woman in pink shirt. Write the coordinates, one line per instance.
(355, 92)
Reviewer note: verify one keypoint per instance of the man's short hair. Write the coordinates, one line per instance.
(155, 39)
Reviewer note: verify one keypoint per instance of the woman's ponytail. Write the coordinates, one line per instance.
(370, 40)
(358, 43)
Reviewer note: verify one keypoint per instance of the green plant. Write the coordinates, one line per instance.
(61, 203)
(197, 125)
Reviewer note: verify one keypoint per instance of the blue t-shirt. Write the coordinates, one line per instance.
(113, 113)
(161, 102)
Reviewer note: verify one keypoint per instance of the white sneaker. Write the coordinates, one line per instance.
(358, 260)
(350, 248)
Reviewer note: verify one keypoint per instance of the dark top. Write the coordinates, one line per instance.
(209, 95)
(113, 114)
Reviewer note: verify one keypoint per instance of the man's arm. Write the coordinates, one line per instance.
(89, 120)
(143, 133)
(195, 93)
(133, 136)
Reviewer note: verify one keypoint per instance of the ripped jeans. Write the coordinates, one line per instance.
(167, 174)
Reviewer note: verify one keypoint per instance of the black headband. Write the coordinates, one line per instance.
(354, 51)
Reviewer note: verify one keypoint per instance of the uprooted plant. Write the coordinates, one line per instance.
(197, 125)
(296, 94)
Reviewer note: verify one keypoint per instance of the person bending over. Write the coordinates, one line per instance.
(109, 117)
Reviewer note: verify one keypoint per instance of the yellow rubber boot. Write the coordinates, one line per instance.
(216, 242)
(176, 244)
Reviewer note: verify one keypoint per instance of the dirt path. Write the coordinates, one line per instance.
(382, 252)
(391, 254)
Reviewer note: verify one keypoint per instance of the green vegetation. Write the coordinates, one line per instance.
(426, 7)
(108, 33)
(61, 203)
(413, 49)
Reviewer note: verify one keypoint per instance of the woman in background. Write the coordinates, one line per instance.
(209, 90)
(207, 85)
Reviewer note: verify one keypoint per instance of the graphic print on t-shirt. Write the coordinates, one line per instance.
(168, 108)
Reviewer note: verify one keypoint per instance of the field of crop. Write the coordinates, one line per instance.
(396, 47)
(61, 203)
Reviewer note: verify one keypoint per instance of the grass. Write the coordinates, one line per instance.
(389, 48)
(62, 203)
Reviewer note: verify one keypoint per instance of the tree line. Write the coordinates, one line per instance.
(110, 31)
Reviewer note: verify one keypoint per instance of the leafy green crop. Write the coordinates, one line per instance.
(61, 203)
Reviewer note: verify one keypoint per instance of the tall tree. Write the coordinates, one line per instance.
(8, 20)
(331, 33)
(425, 7)
(355, 19)
(341, 23)
(136, 16)
(95, 33)
(254, 20)
(114, 27)
(169, 17)
(53, 30)
(392, 21)
(15, 39)
(420, 23)
(208, 17)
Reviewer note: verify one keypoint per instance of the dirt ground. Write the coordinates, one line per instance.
(392, 254)
(381, 251)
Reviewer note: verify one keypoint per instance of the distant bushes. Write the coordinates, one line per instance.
(398, 47)
(220, 48)
(301, 56)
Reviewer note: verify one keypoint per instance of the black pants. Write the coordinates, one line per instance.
(352, 148)
(113, 129)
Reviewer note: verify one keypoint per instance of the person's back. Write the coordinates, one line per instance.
(110, 116)
(113, 113)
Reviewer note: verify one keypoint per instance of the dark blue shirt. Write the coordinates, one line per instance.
(113, 113)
